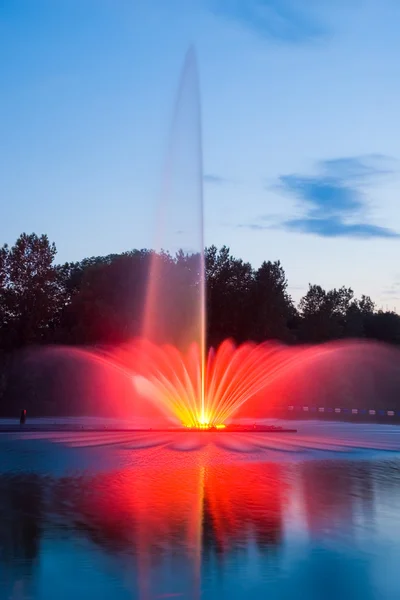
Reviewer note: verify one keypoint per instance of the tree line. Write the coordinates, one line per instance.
(99, 300)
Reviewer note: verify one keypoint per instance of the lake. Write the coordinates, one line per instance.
(108, 515)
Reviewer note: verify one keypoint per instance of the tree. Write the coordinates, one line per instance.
(366, 306)
(356, 316)
(270, 305)
(105, 298)
(31, 292)
(229, 281)
(383, 326)
(324, 313)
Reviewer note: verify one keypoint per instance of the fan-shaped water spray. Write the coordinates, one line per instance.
(246, 381)
(234, 375)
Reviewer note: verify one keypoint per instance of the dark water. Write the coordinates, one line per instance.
(109, 518)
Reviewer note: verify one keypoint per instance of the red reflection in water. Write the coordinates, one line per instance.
(156, 510)
(150, 511)
(335, 493)
(158, 515)
(245, 500)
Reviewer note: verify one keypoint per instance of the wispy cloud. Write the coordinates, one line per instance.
(215, 179)
(358, 168)
(335, 227)
(254, 226)
(393, 291)
(286, 20)
(297, 288)
(333, 202)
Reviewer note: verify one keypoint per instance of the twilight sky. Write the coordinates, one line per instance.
(300, 129)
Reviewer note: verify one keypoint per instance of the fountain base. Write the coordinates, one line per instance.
(237, 428)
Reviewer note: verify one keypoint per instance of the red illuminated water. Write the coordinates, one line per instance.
(163, 384)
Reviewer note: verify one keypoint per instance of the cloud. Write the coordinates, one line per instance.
(255, 226)
(297, 288)
(392, 292)
(284, 20)
(215, 179)
(358, 168)
(332, 202)
(335, 227)
(323, 195)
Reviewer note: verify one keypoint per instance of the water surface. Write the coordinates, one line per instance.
(94, 515)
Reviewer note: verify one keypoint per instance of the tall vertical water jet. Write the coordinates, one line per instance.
(174, 311)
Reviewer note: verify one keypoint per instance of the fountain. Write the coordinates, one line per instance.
(169, 368)
(169, 364)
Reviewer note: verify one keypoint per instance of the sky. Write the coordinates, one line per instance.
(301, 141)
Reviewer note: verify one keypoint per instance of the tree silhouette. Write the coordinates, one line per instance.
(333, 314)
(229, 283)
(31, 291)
(100, 300)
(269, 304)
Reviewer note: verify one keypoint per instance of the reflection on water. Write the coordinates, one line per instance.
(316, 529)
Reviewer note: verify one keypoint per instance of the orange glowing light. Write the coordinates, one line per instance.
(174, 380)
(242, 381)
(204, 393)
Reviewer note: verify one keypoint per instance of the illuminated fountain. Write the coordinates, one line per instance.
(170, 363)
(169, 368)
(200, 397)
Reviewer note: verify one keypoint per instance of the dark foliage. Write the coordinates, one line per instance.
(100, 301)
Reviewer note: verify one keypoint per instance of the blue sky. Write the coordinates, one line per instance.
(300, 130)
